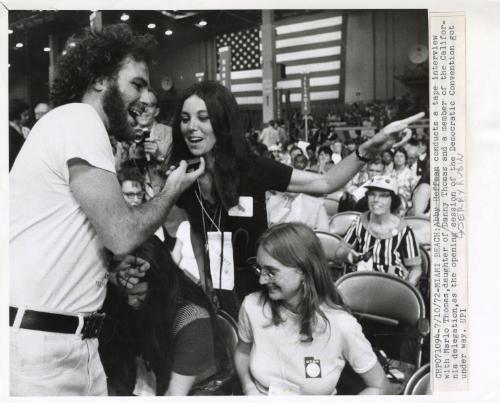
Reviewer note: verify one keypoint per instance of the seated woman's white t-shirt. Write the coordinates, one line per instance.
(279, 354)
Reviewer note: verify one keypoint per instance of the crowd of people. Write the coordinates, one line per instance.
(100, 187)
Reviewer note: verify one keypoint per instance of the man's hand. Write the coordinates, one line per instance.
(388, 137)
(128, 273)
(130, 270)
(179, 180)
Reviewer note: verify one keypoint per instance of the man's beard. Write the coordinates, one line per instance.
(117, 114)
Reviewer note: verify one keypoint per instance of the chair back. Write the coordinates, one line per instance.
(340, 223)
(382, 297)
(426, 260)
(420, 382)
(335, 248)
(228, 330)
(421, 227)
(223, 382)
(331, 206)
(424, 285)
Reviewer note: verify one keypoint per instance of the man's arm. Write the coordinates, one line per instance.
(122, 228)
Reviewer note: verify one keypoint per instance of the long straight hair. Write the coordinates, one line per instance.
(168, 290)
(296, 245)
(231, 151)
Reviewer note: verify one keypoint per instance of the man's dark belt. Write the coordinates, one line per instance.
(57, 323)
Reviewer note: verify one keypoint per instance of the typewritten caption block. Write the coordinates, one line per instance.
(447, 86)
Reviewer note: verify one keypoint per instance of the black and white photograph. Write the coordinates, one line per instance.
(226, 202)
(219, 202)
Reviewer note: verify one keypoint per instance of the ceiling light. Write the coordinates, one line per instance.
(201, 23)
(46, 49)
(169, 32)
(151, 26)
(124, 17)
(10, 31)
(19, 45)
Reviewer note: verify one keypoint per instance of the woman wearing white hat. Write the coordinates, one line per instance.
(381, 240)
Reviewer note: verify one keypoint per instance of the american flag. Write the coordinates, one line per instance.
(246, 62)
(311, 44)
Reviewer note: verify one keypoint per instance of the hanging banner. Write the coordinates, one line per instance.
(225, 66)
(279, 103)
(306, 101)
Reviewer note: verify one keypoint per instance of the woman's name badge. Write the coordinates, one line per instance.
(244, 208)
(280, 387)
(220, 249)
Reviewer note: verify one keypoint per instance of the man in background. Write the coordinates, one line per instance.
(41, 109)
(19, 114)
(270, 135)
(158, 143)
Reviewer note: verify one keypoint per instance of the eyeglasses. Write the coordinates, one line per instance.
(262, 271)
(130, 195)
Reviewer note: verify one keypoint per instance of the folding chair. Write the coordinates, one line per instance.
(331, 206)
(386, 299)
(424, 286)
(336, 250)
(340, 223)
(421, 227)
(225, 381)
(420, 382)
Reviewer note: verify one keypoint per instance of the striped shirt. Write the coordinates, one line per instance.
(400, 249)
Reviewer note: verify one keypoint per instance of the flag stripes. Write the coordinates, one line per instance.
(312, 46)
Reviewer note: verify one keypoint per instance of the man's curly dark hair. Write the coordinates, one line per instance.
(97, 55)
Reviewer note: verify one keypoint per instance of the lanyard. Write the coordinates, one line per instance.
(205, 212)
(212, 224)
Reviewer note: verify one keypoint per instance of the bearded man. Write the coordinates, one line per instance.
(68, 213)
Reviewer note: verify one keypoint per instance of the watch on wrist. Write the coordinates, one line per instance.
(359, 157)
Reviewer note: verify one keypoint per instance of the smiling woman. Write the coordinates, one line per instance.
(296, 335)
(384, 236)
(196, 127)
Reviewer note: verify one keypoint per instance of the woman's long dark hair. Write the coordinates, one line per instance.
(231, 151)
(151, 326)
(296, 245)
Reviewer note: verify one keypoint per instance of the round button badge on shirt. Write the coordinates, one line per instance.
(313, 370)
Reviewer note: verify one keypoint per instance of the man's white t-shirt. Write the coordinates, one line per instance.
(309, 368)
(57, 261)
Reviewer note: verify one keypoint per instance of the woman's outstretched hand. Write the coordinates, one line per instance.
(389, 136)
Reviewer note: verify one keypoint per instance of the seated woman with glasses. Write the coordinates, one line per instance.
(296, 335)
(381, 240)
